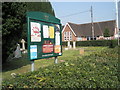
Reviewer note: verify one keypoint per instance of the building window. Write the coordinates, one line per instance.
(92, 38)
(88, 38)
(70, 36)
(79, 38)
(67, 36)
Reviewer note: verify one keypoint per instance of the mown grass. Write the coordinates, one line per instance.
(23, 65)
(94, 70)
(97, 68)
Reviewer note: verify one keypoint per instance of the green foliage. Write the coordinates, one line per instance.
(94, 43)
(40, 6)
(14, 23)
(112, 44)
(119, 63)
(98, 70)
(106, 33)
(13, 17)
(37, 6)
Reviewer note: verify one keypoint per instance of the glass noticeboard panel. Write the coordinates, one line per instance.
(44, 39)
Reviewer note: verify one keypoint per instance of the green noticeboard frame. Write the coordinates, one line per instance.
(44, 36)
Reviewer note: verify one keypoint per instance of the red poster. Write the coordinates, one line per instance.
(47, 48)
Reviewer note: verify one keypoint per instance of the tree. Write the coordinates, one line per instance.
(40, 6)
(37, 6)
(13, 18)
(14, 23)
(106, 33)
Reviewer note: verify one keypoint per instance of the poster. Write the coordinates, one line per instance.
(45, 31)
(57, 38)
(57, 49)
(57, 35)
(51, 31)
(35, 32)
(33, 51)
(47, 46)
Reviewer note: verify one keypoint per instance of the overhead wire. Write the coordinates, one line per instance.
(74, 14)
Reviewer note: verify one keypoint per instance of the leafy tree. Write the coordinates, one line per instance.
(37, 6)
(106, 33)
(13, 17)
(14, 23)
(40, 6)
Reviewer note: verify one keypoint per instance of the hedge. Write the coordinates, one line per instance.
(98, 70)
(110, 43)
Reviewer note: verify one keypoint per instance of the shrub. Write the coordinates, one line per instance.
(98, 70)
(111, 43)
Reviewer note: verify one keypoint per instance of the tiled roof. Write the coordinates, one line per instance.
(99, 27)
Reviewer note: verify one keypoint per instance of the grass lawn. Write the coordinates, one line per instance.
(97, 68)
(22, 65)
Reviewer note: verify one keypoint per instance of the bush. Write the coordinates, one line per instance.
(65, 43)
(14, 26)
(13, 18)
(98, 70)
(111, 43)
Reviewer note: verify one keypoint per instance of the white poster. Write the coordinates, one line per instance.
(57, 38)
(35, 32)
(45, 31)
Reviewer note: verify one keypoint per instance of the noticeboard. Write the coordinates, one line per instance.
(44, 36)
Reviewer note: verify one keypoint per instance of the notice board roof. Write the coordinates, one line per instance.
(43, 17)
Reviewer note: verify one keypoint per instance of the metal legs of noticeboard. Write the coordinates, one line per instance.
(32, 64)
(56, 60)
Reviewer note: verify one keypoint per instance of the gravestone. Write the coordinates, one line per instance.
(17, 52)
(23, 44)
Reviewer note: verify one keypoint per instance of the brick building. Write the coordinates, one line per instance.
(82, 32)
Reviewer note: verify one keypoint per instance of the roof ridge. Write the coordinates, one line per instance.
(93, 22)
(72, 23)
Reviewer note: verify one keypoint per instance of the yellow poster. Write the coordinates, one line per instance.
(57, 49)
(51, 31)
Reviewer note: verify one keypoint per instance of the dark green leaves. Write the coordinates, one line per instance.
(97, 70)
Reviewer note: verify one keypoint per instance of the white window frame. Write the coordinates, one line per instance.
(70, 36)
(65, 38)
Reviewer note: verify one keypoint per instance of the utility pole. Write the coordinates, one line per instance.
(117, 29)
(92, 22)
